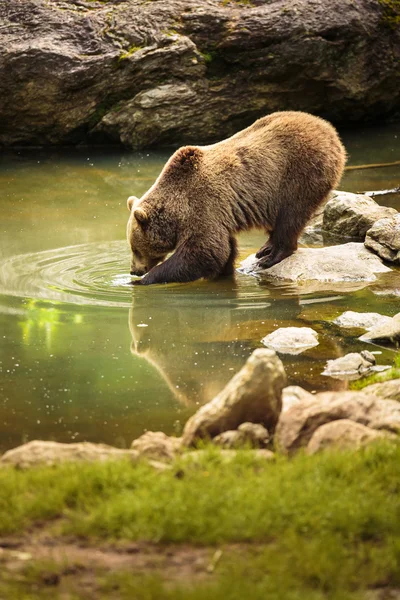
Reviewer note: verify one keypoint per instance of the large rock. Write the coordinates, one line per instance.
(50, 453)
(343, 434)
(291, 340)
(388, 333)
(384, 238)
(147, 73)
(157, 446)
(351, 366)
(351, 319)
(351, 215)
(254, 395)
(247, 434)
(297, 425)
(343, 268)
(389, 390)
(294, 394)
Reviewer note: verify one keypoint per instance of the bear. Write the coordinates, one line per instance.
(272, 175)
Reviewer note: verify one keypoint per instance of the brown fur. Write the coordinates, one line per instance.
(272, 175)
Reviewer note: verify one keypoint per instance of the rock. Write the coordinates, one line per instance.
(344, 434)
(388, 333)
(151, 73)
(351, 215)
(291, 340)
(384, 238)
(156, 445)
(332, 268)
(253, 395)
(294, 394)
(351, 366)
(297, 425)
(226, 456)
(50, 453)
(247, 434)
(388, 390)
(354, 320)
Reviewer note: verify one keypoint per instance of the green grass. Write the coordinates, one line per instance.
(322, 526)
(393, 373)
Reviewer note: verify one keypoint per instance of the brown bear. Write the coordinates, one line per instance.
(272, 175)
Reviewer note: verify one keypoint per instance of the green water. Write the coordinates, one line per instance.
(84, 356)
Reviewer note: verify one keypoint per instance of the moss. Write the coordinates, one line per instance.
(393, 373)
(391, 12)
(128, 53)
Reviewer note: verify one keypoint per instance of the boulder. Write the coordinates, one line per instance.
(297, 425)
(384, 238)
(291, 340)
(157, 446)
(351, 366)
(388, 333)
(351, 215)
(252, 395)
(388, 390)
(247, 434)
(50, 453)
(174, 72)
(294, 394)
(340, 268)
(351, 319)
(343, 434)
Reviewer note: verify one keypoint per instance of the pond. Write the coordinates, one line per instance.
(84, 356)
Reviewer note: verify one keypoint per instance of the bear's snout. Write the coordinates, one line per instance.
(139, 272)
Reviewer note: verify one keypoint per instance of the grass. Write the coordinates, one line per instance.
(393, 373)
(323, 526)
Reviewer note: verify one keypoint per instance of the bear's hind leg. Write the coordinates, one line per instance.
(266, 249)
(229, 267)
(283, 240)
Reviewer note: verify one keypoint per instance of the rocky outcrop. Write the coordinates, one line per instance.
(294, 394)
(179, 71)
(51, 453)
(387, 333)
(355, 320)
(343, 434)
(157, 446)
(291, 340)
(344, 267)
(253, 395)
(247, 434)
(351, 215)
(384, 238)
(297, 425)
(389, 390)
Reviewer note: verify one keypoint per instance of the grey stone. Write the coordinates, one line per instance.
(351, 215)
(294, 394)
(388, 333)
(156, 445)
(384, 238)
(351, 319)
(351, 366)
(389, 390)
(343, 434)
(247, 434)
(252, 395)
(297, 425)
(291, 340)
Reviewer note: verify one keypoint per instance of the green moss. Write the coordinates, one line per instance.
(393, 373)
(128, 53)
(391, 12)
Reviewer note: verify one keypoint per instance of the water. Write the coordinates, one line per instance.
(84, 356)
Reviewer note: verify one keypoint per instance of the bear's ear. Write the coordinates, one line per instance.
(188, 158)
(131, 201)
(141, 216)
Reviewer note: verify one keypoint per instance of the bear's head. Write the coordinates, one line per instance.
(151, 235)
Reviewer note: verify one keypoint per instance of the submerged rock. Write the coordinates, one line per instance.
(351, 319)
(344, 434)
(351, 215)
(247, 434)
(384, 238)
(387, 333)
(334, 267)
(150, 73)
(253, 395)
(291, 340)
(50, 453)
(351, 366)
(156, 445)
(297, 425)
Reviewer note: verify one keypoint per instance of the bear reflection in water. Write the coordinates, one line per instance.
(201, 339)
